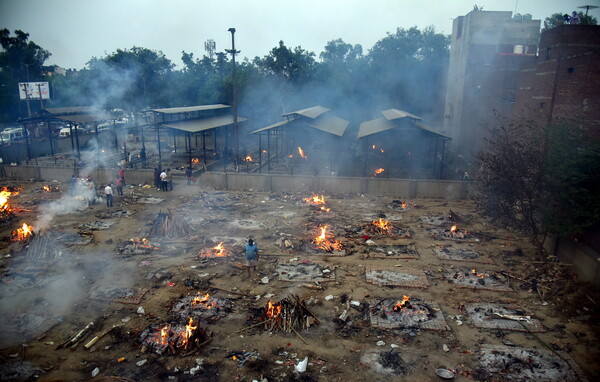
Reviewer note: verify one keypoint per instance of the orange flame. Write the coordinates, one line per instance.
(378, 171)
(189, 330)
(195, 160)
(22, 233)
(322, 241)
(453, 229)
(164, 335)
(46, 188)
(273, 310)
(382, 225)
(315, 199)
(301, 152)
(480, 275)
(203, 302)
(248, 158)
(401, 304)
(216, 251)
(325, 209)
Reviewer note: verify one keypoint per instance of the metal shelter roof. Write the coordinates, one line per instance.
(197, 125)
(311, 112)
(79, 114)
(188, 109)
(392, 114)
(278, 124)
(379, 125)
(330, 124)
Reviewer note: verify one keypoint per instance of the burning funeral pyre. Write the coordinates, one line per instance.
(325, 241)
(317, 202)
(21, 234)
(173, 338)
(453, 233)
(218, 251)
(170, 226)
(6, 211)
(49, 188)
(137, 246)
(383, 227)
(202, 307)
(477, 280)
(405, 313)
(288, 315)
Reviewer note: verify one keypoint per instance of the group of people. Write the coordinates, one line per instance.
(573, 19)
(163, 180)
(119, 183)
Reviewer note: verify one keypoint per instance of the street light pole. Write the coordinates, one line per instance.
(233, 52)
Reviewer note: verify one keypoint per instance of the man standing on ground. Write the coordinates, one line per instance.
(251, 255)
(121, 173)
(163, 181)
(109, 195)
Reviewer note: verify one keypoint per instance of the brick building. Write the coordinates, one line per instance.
(488, 51)
(564, 82)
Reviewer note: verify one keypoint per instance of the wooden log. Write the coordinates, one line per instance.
(99, 336)
(77, 337)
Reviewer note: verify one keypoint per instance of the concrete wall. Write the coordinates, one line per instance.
(401, 188)
(586, 261)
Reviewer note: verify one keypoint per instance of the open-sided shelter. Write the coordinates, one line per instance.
(211, 123)
(307, 140)
(400, 145)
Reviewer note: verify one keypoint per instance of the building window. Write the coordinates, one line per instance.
(548, 53)
(570, 70)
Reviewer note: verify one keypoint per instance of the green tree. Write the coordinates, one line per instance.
(540, 180)
(289, 65)
(21, 60)
(130, 79)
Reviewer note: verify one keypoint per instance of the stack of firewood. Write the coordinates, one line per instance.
(169, 225)
(288, 315)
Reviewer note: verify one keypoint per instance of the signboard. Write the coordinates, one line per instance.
(34, 90)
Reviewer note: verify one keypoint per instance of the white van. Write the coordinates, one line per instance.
(64, 132)
(12, 135)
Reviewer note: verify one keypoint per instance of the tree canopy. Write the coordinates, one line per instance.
(21, 60)
(540, 180)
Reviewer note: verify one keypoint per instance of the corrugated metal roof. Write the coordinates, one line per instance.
(392, 114)
(330, 124)
(430, 129)
(56, 111)
(381, 124)
(83, 118)
(187, 109)
(197, 125)
(278, 124)
(311, 112)
(374, 126)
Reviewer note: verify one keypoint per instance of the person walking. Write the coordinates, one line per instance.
(119, 185)
(109, 195)
(73, 185)
(251, 250)
(121, 173)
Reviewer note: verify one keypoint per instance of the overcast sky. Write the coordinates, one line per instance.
(76, 30)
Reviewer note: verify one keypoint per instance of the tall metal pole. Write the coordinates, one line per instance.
(233, 52)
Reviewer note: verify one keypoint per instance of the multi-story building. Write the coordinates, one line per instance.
(488, 50)
(564, 83)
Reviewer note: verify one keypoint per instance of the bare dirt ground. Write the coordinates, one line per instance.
(47, 301)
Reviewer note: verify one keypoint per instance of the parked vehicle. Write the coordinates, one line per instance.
(64, 132)
(13, 135)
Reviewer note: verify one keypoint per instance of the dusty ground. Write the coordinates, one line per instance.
(63, 290)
